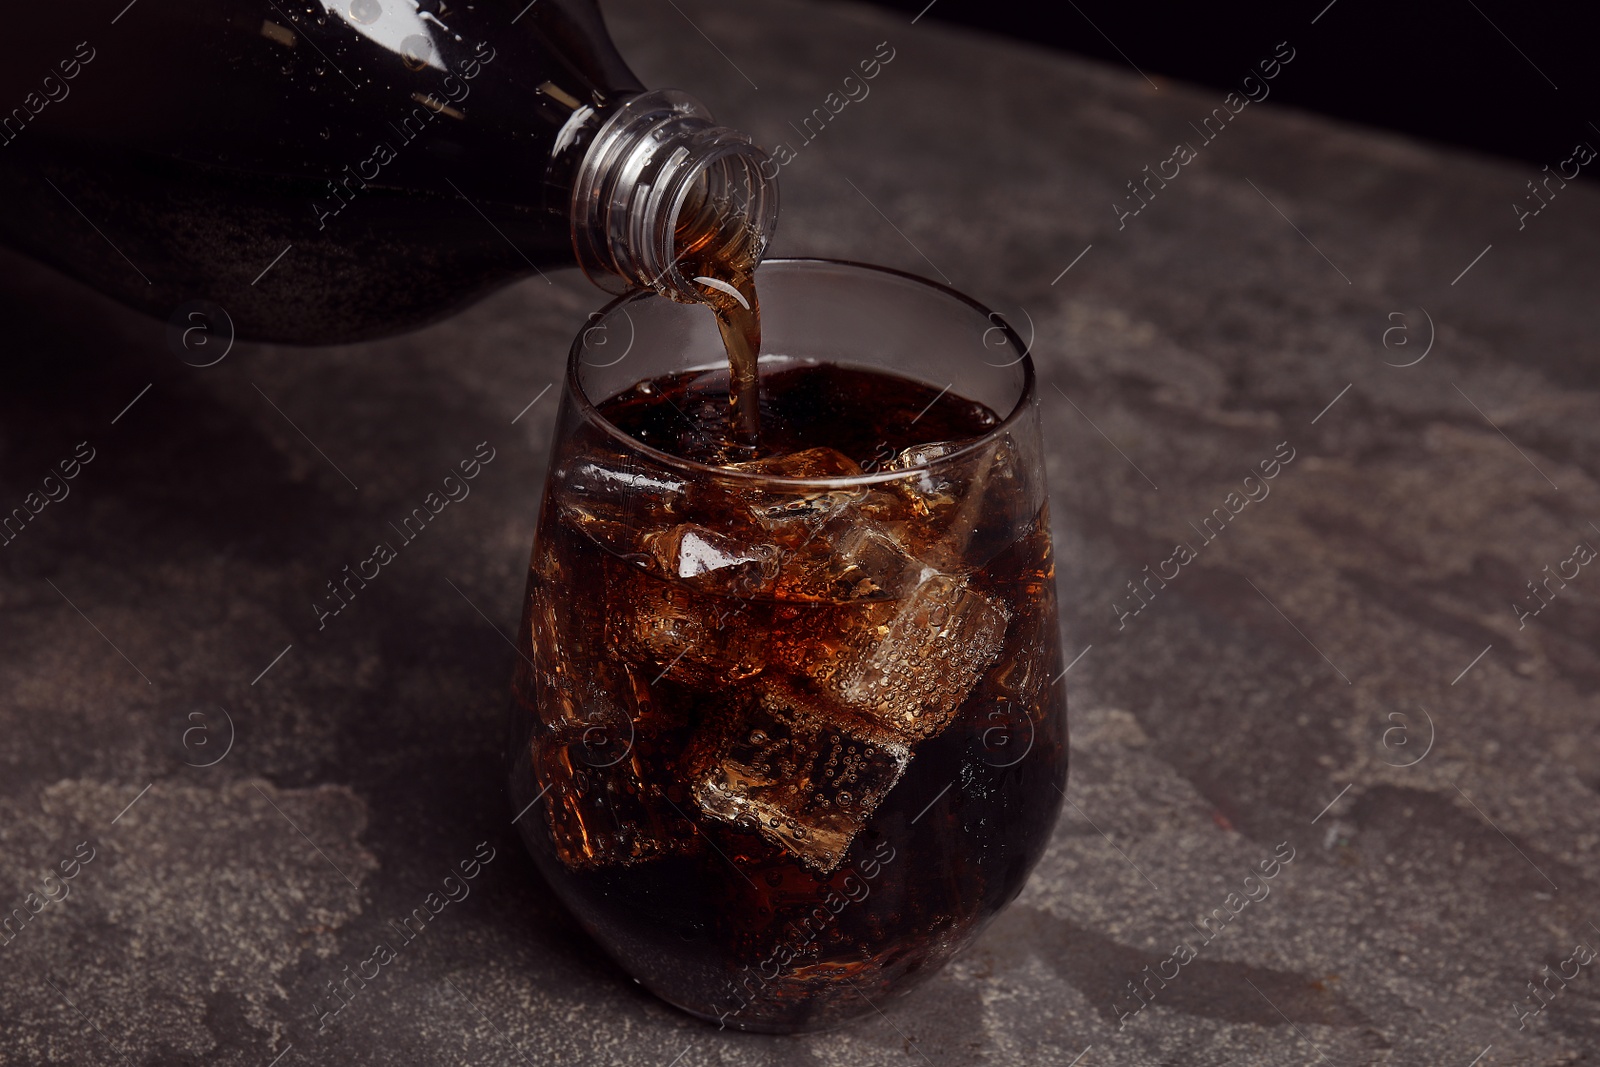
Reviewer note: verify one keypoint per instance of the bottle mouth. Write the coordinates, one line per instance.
(662, 191)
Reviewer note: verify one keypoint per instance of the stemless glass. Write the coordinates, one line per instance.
(784, 744)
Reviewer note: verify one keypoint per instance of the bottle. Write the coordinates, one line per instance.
(333, 170)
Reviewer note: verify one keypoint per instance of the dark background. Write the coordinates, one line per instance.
(1436, 69)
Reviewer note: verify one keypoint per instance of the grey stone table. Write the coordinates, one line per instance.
(1342, 673)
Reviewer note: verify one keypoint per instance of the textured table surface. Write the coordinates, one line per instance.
(1342, 672)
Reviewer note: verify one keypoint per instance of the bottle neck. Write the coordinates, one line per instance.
(662, 191)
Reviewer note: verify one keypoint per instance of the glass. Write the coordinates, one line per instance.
(785, 744)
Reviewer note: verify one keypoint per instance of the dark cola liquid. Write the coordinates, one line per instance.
(783, 748)
(868, 416)
(726, 269)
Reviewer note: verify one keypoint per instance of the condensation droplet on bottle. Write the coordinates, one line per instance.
(415, 51)
(366, 12)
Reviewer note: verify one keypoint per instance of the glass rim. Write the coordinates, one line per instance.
(591, 412)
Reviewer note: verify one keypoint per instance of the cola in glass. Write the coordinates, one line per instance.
(787, 727)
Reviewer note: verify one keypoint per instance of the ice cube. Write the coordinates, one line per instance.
(912, 673)
(807, 463)
(603, 804)
(678, 632)
(712, 561)
(792, 515)
(965, 503)
(831, 549)
(931, 493)
(566, 634)
(613, 497)
(1032, 657)
(923, 455)
(849, 558)
(800, 773)
(817, 639)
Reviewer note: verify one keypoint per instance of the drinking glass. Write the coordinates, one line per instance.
(787, 735)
